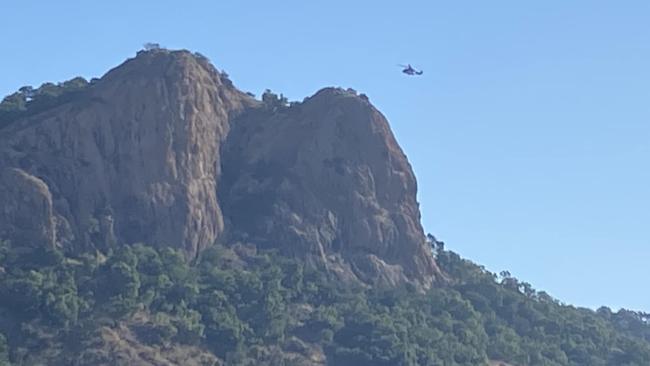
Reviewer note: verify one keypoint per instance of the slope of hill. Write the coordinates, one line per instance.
(239, 306)
(160, 216)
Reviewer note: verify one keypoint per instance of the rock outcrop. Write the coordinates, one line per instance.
(140, 148)
(26, 213)
(165, 150)
(326, 179)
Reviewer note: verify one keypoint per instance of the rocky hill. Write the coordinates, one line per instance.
(165, 150)
(158, 216)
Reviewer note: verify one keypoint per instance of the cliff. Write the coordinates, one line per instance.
(165, 150)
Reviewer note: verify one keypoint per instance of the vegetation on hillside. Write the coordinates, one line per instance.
(28, 101)
(237, 306)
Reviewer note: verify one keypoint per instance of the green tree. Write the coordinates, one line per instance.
(273, 101)
(4, 351)
(118, 283)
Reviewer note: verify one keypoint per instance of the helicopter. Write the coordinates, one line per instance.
(409, 70)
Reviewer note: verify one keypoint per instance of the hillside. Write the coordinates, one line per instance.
(238, 306)
(160, 216)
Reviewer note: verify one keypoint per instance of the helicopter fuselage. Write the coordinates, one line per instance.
(409, 70)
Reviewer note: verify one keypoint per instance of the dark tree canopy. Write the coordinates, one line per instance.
(234, 310)
(28, 101)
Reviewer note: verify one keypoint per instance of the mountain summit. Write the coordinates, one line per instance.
(165, 150)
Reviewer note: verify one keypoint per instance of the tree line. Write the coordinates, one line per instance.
(49, 300)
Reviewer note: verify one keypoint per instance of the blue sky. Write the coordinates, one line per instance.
(529, 131)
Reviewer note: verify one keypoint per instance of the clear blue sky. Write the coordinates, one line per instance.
(529, 131)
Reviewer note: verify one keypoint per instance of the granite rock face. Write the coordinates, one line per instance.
(165, 150)
(26, 212)
(141, 149)
(327, 179)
